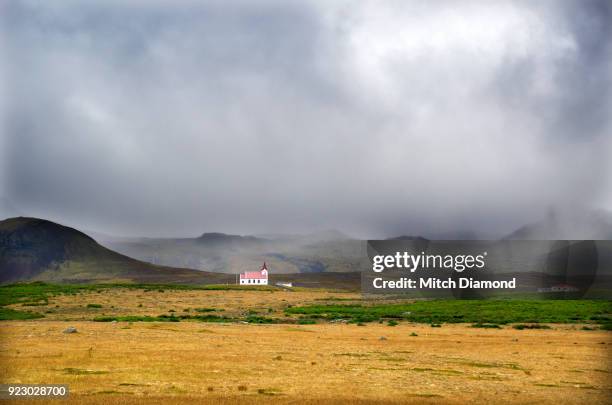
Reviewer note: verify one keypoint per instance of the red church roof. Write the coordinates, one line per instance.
(256, 274)
(253, 274)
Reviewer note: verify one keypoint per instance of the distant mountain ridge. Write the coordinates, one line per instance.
(33, 249)
(325, 251)
(37, 249)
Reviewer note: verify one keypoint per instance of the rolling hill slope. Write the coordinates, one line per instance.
(37, 249)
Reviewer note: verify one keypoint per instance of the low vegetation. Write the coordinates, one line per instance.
(522, 326)
(183, 345)
(163, 318)
(198, 318)
(37, 293)
(479, 312)
(173, 363)
(206, 309)
(7, 314)
(261, 319)
(486, 325)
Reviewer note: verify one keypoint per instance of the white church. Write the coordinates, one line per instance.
(255, 277)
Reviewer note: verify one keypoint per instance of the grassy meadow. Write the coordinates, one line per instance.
(225, 344)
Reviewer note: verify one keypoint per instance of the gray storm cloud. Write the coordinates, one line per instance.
(378, 118)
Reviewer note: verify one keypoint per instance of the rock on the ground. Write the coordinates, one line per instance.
(71, 329)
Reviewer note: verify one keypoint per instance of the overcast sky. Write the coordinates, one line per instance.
(377, 118)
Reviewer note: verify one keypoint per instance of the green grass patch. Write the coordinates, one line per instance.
(260, 319)
(37, 292)
(7, 314)
(207, 318)
(467, 311)
(94, 306)
(205, 309)
(163, 318)
(136, 318)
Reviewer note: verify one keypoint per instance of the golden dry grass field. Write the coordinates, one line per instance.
(197, 362)
(230, 303)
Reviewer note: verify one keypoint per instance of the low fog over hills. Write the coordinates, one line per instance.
(329, 251)
(574, 225)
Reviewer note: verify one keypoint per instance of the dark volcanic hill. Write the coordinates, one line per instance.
(36, 249)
